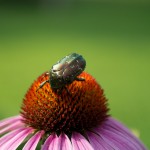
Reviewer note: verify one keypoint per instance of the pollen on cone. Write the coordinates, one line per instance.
(79, 106)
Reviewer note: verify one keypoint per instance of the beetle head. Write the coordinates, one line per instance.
(56, 81)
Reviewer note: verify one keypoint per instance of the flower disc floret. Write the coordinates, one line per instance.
(79, 106)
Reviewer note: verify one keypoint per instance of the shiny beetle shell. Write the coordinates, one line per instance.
(66, 70)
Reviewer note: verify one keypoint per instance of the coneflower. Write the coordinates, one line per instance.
(75, 118)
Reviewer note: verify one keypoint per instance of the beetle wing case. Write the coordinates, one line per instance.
(76, 67)
(66, 70)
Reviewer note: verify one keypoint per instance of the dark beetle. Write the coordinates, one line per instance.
(66, 71)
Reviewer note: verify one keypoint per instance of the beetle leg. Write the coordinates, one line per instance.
(66, 89)
(42, 84)
(79, 79)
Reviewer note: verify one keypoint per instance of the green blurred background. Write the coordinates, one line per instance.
(113, 37)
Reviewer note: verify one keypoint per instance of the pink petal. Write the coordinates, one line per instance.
(10, 135)
(49, 142)
(54, 142)
(33, 141)
(79, 142)
(121, 128)
(9, 120)
(65, 142)
(117, 136)
(11, 126)
(117, 142)
(126, 138)
(12, 140)
(97, 142)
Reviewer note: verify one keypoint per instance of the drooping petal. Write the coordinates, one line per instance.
(9, 120)
(54, 142)
(114, 124)
(117, 136)
(49, 142)
(13, 139)
(116, 141)
(79, 142)
(10, 135)
(98, 142)
(65, 142)
(12, 126)
(33, 141)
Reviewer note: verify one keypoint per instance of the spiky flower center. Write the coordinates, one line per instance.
(79, 107)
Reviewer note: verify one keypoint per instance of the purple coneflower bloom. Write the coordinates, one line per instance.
(74, 120)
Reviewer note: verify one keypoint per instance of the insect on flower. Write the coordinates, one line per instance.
(65, 71)
(48, 121)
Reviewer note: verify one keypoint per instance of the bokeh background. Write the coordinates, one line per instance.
(113, 37)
